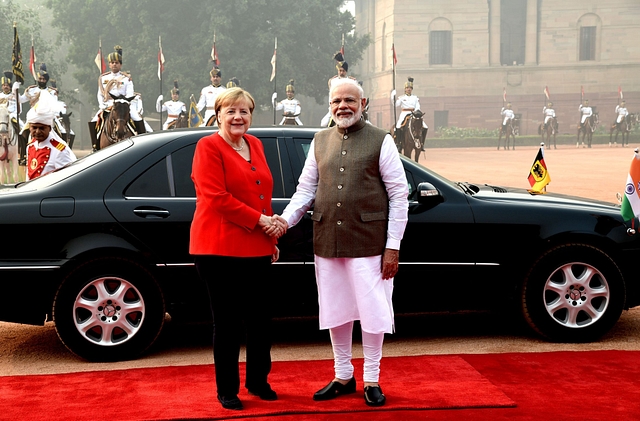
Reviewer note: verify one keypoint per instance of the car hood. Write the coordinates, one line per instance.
(512, 194)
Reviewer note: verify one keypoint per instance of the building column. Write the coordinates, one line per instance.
(531, 33)
(494, 33)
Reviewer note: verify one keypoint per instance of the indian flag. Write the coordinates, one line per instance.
(631, 201)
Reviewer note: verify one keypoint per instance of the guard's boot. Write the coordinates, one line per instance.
(139, 125)
(93, 132)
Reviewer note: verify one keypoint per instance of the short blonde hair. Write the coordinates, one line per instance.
(233, 96)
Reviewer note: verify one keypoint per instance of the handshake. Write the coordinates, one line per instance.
(274, 226)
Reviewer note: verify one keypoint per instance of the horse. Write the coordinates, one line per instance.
(412, 135)
(509, 131)
(624, 127)
(66, 123)
(551, 129)
(590, 125)
(116, 126)
(8, 148)
(181, 122)
(290, 120)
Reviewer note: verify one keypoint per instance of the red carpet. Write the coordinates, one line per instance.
(172, 393)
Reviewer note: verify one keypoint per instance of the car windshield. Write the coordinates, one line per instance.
(75, 167)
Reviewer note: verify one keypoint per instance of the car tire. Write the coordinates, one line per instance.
(108, 309)
(573, 293)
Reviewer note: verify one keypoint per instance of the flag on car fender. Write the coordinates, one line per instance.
(538, 174)
(630, 207)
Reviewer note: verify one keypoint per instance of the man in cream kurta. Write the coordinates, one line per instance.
(355, 180)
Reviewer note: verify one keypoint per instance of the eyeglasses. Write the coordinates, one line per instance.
(337, 101)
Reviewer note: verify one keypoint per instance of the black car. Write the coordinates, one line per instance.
(101, 248)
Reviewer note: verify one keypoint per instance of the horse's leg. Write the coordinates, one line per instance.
(499, 137)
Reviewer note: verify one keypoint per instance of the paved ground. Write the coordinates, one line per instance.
(598, 173)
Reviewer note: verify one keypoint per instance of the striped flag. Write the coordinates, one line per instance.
(504, 94)
(160, 59)
(32, 62)
(538, 175)
(620, 92)
(214, 54)
(273, 61)
(99, 60)
(546, 92)
(342, 48)
(630, 208)
(395, 57)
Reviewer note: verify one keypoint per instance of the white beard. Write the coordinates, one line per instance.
(346, 122)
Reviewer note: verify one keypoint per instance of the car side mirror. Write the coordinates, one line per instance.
(428, 195)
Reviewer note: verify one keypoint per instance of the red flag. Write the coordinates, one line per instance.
(214, 55)
(160, 59)
(32, 63)
(620, 92)
(546, 92)
(395, 58)
(504, 94)
(99, 60)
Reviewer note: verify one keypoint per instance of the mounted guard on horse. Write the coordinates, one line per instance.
(508, 127)
(174, 109)
(622, 124)
(587, 125)
(208, 96)
(115, 86)
(290, 107)
(8, 99)
(549, 127)
(410, 110)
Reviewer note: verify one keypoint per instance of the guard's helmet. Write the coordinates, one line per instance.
(43, 72)
(409, 83)
(233, 82)
(215, 72)
(340, 62)
(289, 87)
(175, 89)
(116, 55)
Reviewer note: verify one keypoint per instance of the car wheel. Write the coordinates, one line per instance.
(108, 309)
(573, 293)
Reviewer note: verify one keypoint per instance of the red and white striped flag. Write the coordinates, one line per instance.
(99, 60)
(546, 92)
(395, 57)
(620, 92)
(214, 52)
(32, 62)
(160, 59)
(273, 61)
(504, 94)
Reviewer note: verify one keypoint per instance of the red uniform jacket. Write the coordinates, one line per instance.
(231, 194)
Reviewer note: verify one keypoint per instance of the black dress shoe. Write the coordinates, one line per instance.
(230, 402)
(266, 393)
(335, 389)
(373, 396)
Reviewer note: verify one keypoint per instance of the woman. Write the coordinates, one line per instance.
(232, 252)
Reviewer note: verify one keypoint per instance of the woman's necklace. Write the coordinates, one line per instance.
(240, 148)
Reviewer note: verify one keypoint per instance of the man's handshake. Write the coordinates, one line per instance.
(277, 227)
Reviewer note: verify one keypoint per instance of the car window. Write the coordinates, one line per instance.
(272, 153)
(154, 182)
(181, 162)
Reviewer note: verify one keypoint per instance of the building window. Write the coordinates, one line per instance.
(587, 43)
(513, 20)
(440, 119)
(440, 47)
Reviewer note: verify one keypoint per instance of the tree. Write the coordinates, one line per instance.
(309, 33)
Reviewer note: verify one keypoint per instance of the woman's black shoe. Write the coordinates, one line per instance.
(335, 389)
(230, 402)
(373, 396)
(266, 394)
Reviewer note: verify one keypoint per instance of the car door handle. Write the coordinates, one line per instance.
(151, 212)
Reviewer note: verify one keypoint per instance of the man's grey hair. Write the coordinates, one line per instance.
(345, 81)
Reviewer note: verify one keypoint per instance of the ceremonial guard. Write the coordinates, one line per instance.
(507, 115)
(233, 83)
(8, 97)
(208, 96)
(57, 121)
(548, 113)
(46, 151)
(114, 83)
(408, 103)
(585, 111)
(290, 106)
(342, 67)
(173, 108)
(621, 112)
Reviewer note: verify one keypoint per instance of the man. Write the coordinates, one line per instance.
(46, 151)
(548, 112)
(342, 67)
(290, 106)
(408, 103)
(354, 179)
(8, 96)
(114, 83)
(208, 96)
(58, 125)
(585, 112)
(173, 108)
(507, 115)
(621, 111)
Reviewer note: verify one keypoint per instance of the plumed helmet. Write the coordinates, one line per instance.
(175, 89)
(6, 79)
(409, 83)
(508, 105)
(550, 104)
(233, 82)
(43, 72)
(586, 102)
(289, 87)
(116, 55)
(215, 72)
(340, 62)
(622, 103)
